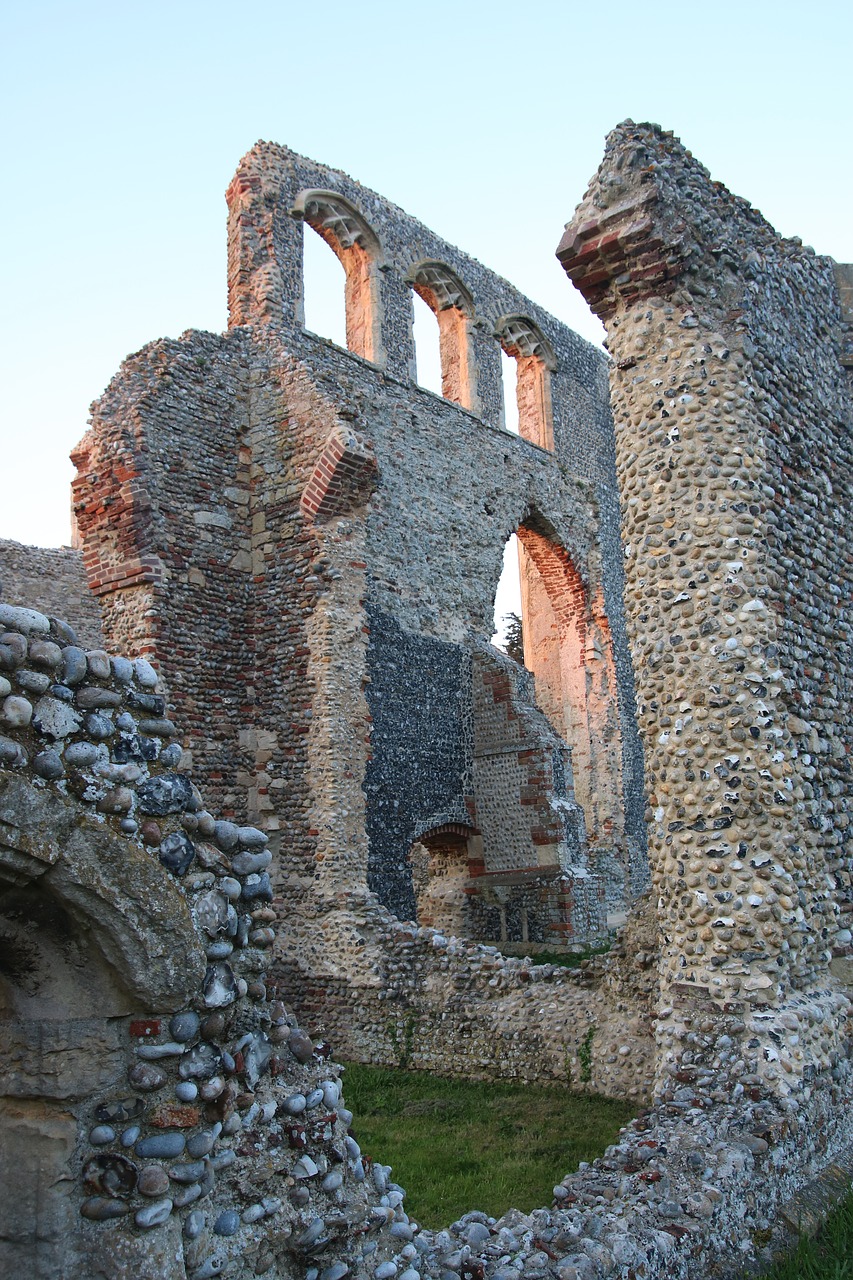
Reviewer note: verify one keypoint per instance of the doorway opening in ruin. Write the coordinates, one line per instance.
(450, 302)
(443, 861)
(527, 364)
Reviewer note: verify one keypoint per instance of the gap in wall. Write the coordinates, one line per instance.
(324, 289)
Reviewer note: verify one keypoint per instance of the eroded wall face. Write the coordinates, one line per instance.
(733, 452)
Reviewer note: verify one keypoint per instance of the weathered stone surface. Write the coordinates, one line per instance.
(16, 712)
(147, 1077)
(38, 1218)
(27, 621)
(110, 1175)
(177, 853)
(143, 923)
(55, 719)
(128, 1255)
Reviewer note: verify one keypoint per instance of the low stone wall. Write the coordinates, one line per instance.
(693, 1189)
(53, 580)
(461, 1008)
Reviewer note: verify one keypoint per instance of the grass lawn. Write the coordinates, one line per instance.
(456, 1145)
(828, 1257)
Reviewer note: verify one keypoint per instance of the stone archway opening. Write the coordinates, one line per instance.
(453, 308)
(356, 246)
(92, 929)
(527, 363)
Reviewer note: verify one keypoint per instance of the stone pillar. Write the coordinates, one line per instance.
(731, 418)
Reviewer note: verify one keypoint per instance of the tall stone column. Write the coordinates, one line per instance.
(732, 420)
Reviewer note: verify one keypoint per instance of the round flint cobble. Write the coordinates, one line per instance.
(227, 1224)
(177, 853)
(48, 765)
(160, 1146)
(165, 794)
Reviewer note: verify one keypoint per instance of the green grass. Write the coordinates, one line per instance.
(829, 1256)
(569, 959)
(456, 1145)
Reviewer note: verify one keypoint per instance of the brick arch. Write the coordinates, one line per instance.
(453, 307)
(357, 247)
(568, 647)
(560, 576)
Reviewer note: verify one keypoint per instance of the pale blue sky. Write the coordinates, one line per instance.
(123, 125)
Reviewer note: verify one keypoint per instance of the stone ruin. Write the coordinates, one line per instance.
(315, 810)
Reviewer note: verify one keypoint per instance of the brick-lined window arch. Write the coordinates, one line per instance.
(357, 247)
(568, 648)
(523, 342)
(451, 303)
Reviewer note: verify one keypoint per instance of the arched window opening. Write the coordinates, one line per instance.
(509, 383)
(523, 343)
(567, 647)
(507, 634)
(357, 248)
(427, 346)
(452, 306)
(323, 290)
(553, 611)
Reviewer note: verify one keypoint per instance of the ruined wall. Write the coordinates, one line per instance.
(165, 1115)
(453, 484)
(458, 1007)
(159, 501)
(733, 446)
(53, 580)
(310, 532)
(109, 859)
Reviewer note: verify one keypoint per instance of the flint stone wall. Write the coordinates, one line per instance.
(53, 580)
(733, 437)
